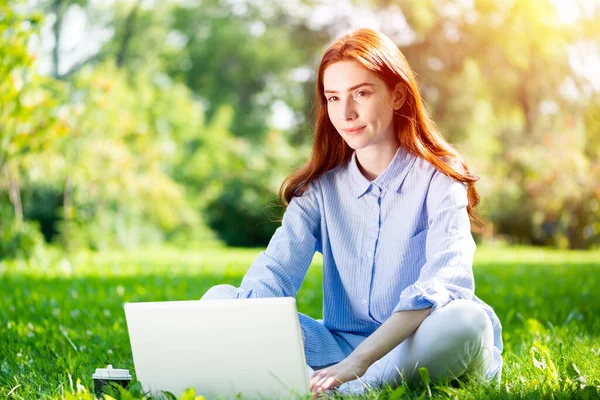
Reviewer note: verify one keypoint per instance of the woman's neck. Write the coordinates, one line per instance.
(372, 162)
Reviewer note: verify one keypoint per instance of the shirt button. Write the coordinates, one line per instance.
(364, 300)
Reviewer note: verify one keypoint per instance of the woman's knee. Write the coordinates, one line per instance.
(220, 292)
(470, 329)
(468, 319)
(450, 341)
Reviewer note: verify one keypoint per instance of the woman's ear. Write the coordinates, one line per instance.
(399, 96)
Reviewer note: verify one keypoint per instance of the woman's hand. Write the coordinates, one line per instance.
(332, 376)
(390, 334)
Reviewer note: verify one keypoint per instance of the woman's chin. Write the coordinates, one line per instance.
(354, 143)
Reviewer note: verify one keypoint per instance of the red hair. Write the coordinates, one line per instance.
(414, 126)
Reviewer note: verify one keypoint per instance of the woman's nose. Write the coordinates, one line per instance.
(350, 110)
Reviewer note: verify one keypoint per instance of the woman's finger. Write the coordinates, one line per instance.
(328, 383)
(316, 378)
(322, 384)
(316, 383)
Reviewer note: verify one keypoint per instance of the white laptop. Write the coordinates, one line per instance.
(220, 347)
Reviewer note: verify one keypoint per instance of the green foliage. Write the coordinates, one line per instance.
(497, 78)
(236, 217)
(28, 120)
(66, 319)
(234, 183)
(27, 125)
(18, 240)
(168, 128)
(110, 166)
(234, 57)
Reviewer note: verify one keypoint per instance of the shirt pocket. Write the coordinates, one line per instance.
(405, 258)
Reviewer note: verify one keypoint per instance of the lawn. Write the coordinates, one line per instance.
(62, 318)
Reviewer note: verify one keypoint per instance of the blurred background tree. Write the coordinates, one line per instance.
(136, 122)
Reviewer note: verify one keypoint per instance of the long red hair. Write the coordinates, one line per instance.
(414, 126)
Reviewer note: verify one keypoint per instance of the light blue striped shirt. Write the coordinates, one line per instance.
(400, 242)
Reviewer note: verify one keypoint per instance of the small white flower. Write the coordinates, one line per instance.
(120, 290)
(56, 312)
(19, 355)
(75, 313)
(30, 334)
(82, 348)
(109, 351)
(88, 332)
(107, 313)
(30, 326)
(9, 325)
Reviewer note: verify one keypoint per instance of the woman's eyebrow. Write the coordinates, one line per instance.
(352, 88)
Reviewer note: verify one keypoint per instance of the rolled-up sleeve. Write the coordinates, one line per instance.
(449, 249)
(280, 270)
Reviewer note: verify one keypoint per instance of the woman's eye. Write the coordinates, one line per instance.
(332, 98)
(361, 93)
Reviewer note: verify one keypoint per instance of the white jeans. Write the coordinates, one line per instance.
(452, 341)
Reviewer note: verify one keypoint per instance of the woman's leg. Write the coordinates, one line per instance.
(220, 292)
(454, 340)
(320, 347)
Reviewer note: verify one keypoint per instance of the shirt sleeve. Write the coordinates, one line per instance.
(280, 270)
(448, 271)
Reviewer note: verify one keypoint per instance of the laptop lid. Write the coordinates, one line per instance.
(219, 347)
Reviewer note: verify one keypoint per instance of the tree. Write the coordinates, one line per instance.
(28, 102)
(494, 76)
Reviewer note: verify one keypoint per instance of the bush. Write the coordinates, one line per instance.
(20, 240)
(244, 213)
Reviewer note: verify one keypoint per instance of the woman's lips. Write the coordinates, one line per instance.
(354, 131)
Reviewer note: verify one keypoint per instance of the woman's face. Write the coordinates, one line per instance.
(360, 105)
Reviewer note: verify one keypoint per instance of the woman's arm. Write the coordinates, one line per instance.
(448, 272)
(280, 269)
(390, 334)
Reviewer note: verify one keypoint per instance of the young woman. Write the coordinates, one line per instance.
(389, 204)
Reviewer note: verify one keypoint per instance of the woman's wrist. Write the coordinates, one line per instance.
(361, 360)
(390, 334)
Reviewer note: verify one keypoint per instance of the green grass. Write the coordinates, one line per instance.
(62, 318)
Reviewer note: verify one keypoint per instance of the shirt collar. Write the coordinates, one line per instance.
(389, 180)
